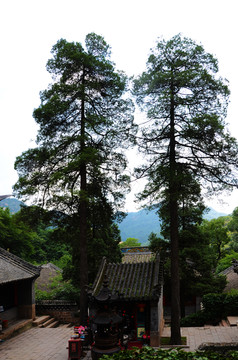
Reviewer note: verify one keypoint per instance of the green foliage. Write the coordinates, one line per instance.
(58, 290)
(233, 228)
(217, 233)
(148, 353)
(130, 242)
(226, 261)
(84, 122)
(158, 245)
(233, 292)
(16, 236)
(42, 223)
(233, 223)
(196, 319)
(214, 305)
(103, 239)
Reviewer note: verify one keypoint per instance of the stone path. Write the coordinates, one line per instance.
(50, 344)
(37, 344)
(214, 334)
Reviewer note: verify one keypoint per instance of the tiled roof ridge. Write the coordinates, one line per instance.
(227, 270)
(136, 280)
(100, 274)
(34, 270)
(136, 262)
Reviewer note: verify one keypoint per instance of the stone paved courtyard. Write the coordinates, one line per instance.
(50, 344)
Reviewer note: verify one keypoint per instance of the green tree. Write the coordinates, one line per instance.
(233, 228)
(84, 121)
(130, 242)
(16, 236)
(158, 245)
(186, 106)
(47, 248)
(226, 261)
(195, 254)
(217, 233)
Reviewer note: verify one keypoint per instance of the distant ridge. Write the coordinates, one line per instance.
(13, 204)
(2, 197)
(140, 224)
(137, 225)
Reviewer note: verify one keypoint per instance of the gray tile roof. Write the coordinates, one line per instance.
(134, 281)
(12, 268)
(232, 279)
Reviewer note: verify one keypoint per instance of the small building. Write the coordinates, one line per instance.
(231, 274)
(139, 287)
(17, 294)
(48, 272)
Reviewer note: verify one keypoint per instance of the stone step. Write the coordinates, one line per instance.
(40, 320)
(232, 320)
(66, 325)
(48, 322)
(224, 323)
(54, 324)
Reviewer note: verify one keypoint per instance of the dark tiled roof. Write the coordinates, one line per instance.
(48, 273)
(12, 268)
(135, 281)
(232, 279)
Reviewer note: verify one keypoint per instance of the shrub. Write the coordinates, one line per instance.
(231, 305)
(216, 307)
(197, 319)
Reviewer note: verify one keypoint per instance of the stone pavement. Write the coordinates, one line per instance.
(50, 344)
(213, 334)
(37, 344)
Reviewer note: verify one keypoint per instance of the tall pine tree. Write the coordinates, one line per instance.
(186, 105)
(84, 122)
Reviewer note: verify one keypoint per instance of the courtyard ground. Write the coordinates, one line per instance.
(51, 344)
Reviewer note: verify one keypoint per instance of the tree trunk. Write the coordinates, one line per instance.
(83, 224)
(174, 234)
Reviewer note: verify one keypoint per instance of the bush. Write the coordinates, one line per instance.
(148, 353)
(197, 319)
(216, 307)
(231, 305)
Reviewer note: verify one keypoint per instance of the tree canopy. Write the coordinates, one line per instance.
(130, 242)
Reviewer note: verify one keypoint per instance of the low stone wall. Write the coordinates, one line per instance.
(63, 311)
(219, 347)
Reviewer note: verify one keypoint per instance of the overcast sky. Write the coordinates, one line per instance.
(29, 29)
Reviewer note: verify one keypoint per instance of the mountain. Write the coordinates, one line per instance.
(136, 224)
(13, 204)
(141, 223)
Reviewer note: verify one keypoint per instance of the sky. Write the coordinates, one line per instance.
(29, 29)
